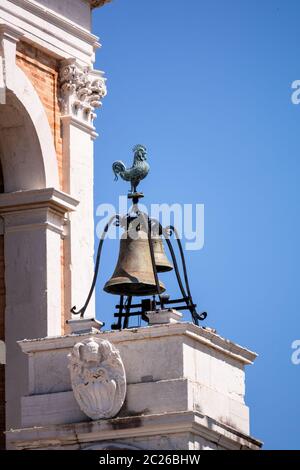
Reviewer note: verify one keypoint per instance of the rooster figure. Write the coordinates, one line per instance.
(137, 172)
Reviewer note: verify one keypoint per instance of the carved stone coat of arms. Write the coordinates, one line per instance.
(98, 378)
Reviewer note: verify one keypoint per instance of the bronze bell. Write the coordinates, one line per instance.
(133, 275)
(161, 261)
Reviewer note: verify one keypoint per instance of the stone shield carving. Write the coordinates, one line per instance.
(98, 378)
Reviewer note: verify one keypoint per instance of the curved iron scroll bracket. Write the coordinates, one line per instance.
(185, 293)
(151, 248)
(97, 264)
(166, 232)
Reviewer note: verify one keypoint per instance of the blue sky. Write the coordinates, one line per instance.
(206, 86)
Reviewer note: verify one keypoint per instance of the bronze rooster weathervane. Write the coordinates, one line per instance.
(139, 170)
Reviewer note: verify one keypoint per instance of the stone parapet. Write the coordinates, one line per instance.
(184, 382)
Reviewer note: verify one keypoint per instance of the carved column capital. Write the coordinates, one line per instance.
(82, 90)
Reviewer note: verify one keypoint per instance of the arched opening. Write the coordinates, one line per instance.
(20, 151)
(21, 168)
(27, 162)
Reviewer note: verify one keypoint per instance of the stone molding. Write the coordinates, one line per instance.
(52, 197)
(29, 210)
(11, 32)
(98, 378)
(163, 424)
(82, 90)
(201, 334)
(63, 37)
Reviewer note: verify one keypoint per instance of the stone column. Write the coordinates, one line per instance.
(82, 89)
(33, 228)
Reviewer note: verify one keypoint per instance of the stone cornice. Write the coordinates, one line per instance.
(59, 20)
(191, 331)
(50, 31)
(37, 198)
(10, 32)
(39, 209)
(84, 434)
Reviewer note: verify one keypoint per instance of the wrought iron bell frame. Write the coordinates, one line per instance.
(125, 305)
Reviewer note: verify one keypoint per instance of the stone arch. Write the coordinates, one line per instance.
(29, 166)
(28, 155)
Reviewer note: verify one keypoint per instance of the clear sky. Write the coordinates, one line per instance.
(206, 86)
